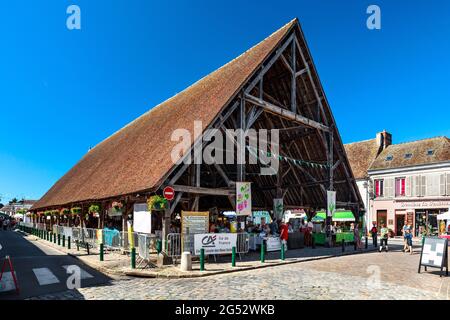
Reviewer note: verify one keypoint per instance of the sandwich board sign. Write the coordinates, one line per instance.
(434, 254)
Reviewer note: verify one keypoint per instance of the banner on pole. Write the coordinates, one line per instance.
(278, 208)
(331, 203)
(243, 199)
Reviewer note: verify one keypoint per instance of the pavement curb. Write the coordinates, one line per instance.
(140, 274)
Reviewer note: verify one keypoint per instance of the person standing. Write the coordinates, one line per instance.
(374, 234)
(384, 238)
(284, 234)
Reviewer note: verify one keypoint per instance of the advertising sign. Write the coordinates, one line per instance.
(331, 203)
(243, 199)
(214, 243)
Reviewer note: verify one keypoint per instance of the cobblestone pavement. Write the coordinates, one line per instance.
(347, 277)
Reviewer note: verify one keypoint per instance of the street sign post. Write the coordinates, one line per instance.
(169, 193)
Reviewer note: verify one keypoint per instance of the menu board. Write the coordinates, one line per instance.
(434, 253)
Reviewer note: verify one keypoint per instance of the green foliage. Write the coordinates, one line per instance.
(157, 202)
(94, 208)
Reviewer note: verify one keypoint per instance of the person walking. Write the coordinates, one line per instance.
(357, 237)
(405, 242)
(408, 237)
(374, 234)
(384, 238)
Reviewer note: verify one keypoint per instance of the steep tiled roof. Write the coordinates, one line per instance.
(138, 156)
(418, 153)
(361, 155)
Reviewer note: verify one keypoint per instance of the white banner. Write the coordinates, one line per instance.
(214, 243)
(331, 203)
(278, 208)
(142, 218)
(243, 199)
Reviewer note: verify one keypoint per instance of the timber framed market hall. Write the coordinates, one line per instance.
(273, 85)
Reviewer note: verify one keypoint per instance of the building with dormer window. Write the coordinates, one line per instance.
(406, 182)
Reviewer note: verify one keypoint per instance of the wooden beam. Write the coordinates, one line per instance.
(283, 59)
(293, 81)
(204, 191)
(284, 113)
(266, 68)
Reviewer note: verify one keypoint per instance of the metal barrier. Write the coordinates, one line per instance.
(173, 245)
(41, 226)
(242, 243)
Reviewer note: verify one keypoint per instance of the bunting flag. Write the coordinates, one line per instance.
(299, 162)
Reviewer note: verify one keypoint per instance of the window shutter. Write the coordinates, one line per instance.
(416, 186)
(442, 184)
(448, 184)
(408, 186)
(423, 186)
(389, 187)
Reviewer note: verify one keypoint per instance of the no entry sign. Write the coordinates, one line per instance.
(169, 193)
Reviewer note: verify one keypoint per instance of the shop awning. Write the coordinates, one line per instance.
(319, 217)
(339, 216)
(343, 216)
(444, 216)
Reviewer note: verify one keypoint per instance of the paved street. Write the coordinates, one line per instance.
(348, 277)
(39, 269)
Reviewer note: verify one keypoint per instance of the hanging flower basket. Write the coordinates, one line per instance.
(157, 202)
(75, 211)
(117, 206)
(94, 209)
(64, 211)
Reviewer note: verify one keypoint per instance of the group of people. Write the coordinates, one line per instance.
(7, 223)
(407, 233)
(384, 236)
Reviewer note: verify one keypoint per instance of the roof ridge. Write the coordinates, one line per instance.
(419, 140)
(367, 140)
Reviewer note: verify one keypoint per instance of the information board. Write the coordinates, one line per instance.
(194, 222)
(434, 253)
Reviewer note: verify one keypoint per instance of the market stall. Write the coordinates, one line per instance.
(343, 231)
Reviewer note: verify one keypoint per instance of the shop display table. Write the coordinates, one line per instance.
(346, 236)
(296, 240)
(319, 238)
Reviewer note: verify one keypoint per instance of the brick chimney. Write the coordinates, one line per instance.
(384, 139)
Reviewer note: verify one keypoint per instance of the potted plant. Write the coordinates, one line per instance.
(117, 206)
(156, 202)
(75, 211)
(64, 212)
(94, 209)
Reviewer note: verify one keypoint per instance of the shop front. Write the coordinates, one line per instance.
(420, 214)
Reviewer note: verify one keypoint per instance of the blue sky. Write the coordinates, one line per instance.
(64, 91)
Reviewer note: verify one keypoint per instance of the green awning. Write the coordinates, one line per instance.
(337, 216)
(319, 217)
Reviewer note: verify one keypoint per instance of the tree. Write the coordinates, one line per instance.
(13, 201)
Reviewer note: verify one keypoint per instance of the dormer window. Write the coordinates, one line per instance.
(430, 152)
(408, 155)
(389, 157)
